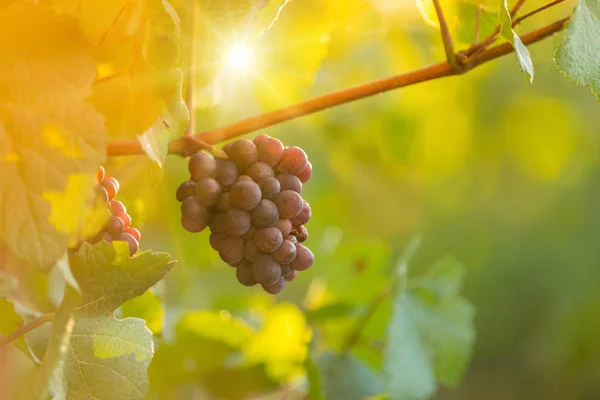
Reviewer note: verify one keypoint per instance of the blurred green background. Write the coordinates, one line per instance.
(500, 173)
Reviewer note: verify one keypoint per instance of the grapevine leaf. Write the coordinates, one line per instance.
(315, 379)
(523, 56)
(430, 335)
(578, 57)
(10, 322)
(346, 377)
(107, 276)
(148, 307)
(332, 311)
(43, 143)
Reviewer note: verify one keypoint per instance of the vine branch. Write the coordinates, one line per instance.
(42, 319)
(185, 147)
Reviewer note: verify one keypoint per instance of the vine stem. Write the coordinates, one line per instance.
(42, 319)
(436, 71)
(446, 36)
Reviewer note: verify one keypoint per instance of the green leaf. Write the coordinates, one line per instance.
(10, 321)
(333, 311)
(108, 277)
(148, 307)
(346, 377)
(316, 390)
(107, 359)
(578, 57)
(430, 335)
(523, 56)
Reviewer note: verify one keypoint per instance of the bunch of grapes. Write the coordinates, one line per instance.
(118, 226)
(253, 206)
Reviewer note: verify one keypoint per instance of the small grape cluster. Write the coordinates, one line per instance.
(253, 206)
(118, 226)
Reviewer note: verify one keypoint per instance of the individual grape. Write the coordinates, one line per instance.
(286, 269)
(286, 253)
(268, 239)
(304, 215)
(251, 252)
(102, 195)
(289, 182)
(265, 214)
(293, 161)
(276, 287)
(201, 166)
(260, 138)
(223, 204)
(231, 250)
(301, 233)
(289, 204)
(266, 271)
(227, 148)
(270, 187)
(110, 186)
(100, 174)
(114, 225)
(245, 195)
(218, 223)
(215, 240)
(208, 192)
(133, 244)
(243, 152)
(133, 232)
(117, 207)
(237, 222)
(270, 151)
(259, 170)
(250, 234)
(243, 274)
(185, 190)
(304, 258)
(226, 172)
(291, 238)
(290, 277)
(192, 209)
(306, 173)
(193, 225)
(125, 218)
(285, 226)
(244, 178)
(103, 236)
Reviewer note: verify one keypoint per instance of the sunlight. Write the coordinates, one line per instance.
(239, 57)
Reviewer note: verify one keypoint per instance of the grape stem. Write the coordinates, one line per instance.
(184, 147)
(42, 319)
(446, 36)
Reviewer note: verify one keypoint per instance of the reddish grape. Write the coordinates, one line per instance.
(125, 218)
(244, 178)
(286, 269)
(268, 239)
(304, 258)
(133, 244)
(289, 204)
(215, 240)
(227, 148)
(289, 182)
(193, 225)
(266, 271)
(243, 152)
(250, 234)
(270, 187)
(251, 252)
(101, 195)
(116, 207)
(185, 190)
(270, 151)
(304, 215)
(286, 253)
(103, 236)
(192, 209)
(306, 173)
(110, 186)
(226, 172)
(237, 222)
(243, 274)
(265, 214)
(290, 277)
(231, 250)
(133, 232)
(223, 204)
(291, 238)
(100, 174)
(245, 195)
(259, 170)
(301, 233)
(114, 226)
(201, 166)
(285, 226)
(293, 161)
(259, 139)
(208, 192)
(276, 287)
(218, 223)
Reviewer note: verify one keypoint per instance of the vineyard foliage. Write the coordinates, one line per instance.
(453, 222)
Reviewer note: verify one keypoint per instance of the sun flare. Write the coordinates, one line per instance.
(239, 57)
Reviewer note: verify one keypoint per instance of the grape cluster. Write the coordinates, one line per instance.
(253, 206)
(118, 226)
